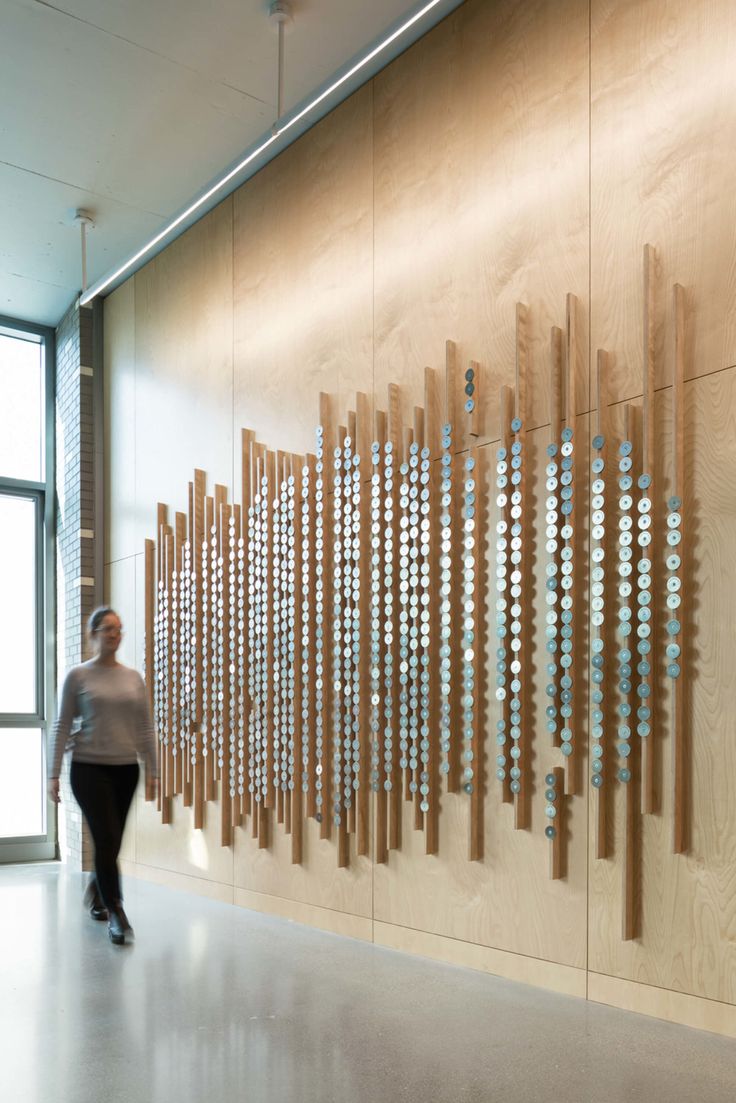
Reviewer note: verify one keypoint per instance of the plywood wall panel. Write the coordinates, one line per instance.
(184, 367)
(303, 285)
(688, 907)
(119, 428)
(316, 881)
(481, 196)
(506, 900)
(663, 160)
(453, 187)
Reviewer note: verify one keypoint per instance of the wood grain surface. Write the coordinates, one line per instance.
(516, 153)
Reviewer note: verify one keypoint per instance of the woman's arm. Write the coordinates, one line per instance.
(146, 741)
(62, 728)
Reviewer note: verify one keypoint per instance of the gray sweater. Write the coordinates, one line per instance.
(116, 726)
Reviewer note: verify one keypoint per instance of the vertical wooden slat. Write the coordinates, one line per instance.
(271, 472)
(362, 801)
(506, 406)
(362, 439)
(573, 354)
(432, 441)
(555, 429)
(629, 916)
(572, 761)
(226, 827)
(556, 396)
(327, 421)
(395, 435)
(296, 796)
(474, 415)
(450, 383)
(648, 445)
(557, 846)
(150, 607)
(307, 680)
(247, 443)
(278, 641)
(168, 679)
(180, 536)
(380, 850)
(238, 640)
(521, 799)
(208, 660)
(476, 840)
(200, 485)
(602, 428)
(432, 412)
(679, 738)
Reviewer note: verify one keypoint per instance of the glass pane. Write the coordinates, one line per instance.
(22, 783)
(17, 604)
(21, 409)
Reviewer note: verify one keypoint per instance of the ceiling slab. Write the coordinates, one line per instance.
(129, 107)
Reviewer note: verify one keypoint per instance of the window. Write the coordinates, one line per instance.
(26, 516)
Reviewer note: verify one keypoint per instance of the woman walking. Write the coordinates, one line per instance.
(116, 730)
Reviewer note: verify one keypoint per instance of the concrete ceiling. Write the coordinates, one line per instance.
(129, 107)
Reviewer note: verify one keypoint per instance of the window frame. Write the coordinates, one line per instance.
(43, 846)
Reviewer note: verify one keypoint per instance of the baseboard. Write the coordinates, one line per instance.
(325, 919)
(643, 999)
(663, 1003)
(564, 979)
(200, 886)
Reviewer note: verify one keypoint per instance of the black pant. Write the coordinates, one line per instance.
(104, 794)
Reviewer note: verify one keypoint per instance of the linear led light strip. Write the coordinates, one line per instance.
(279, 129)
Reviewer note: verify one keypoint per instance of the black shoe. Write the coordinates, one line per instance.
(118, 926)
(93, 901)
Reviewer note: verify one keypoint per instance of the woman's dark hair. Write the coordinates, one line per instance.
(97, 618)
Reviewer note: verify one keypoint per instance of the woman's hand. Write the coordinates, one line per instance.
(54, 793)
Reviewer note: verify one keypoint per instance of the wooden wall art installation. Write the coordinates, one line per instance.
(317, 651)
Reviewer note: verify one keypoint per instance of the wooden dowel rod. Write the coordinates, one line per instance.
(679, 757)
(600, 796)
(557, 849)
(648, 446)
(507, 401)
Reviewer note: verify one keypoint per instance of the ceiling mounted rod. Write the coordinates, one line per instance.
(279, 12)
(83, 219)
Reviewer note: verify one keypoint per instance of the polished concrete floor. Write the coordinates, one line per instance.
(214, 1003)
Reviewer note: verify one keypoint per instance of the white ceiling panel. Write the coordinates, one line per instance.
(129, 107)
